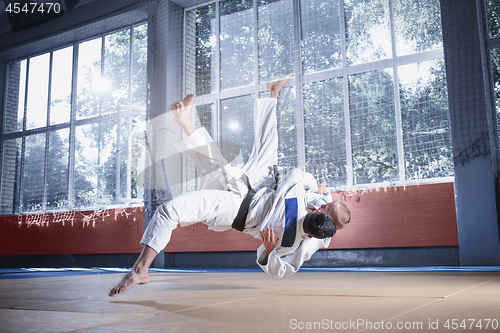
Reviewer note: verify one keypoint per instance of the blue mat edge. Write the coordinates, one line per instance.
(24, 273)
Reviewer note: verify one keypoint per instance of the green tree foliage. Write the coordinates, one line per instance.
(426, 127)
(320, 35)
(493, 17)
(373, 127)
(57, 173)
(325, 131)
(205, 45)
(362, 18)
(34, 172)
(275, 41)
(419, 23)
(236, 43)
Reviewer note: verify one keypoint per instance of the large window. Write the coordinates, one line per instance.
(368, 99)
(74, 124)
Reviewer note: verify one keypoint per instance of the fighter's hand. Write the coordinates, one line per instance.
(268, 238)
(321, 189)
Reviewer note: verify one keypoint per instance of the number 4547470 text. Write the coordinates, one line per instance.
(33, 7)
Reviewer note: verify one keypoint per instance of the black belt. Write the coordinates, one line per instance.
(241, 217)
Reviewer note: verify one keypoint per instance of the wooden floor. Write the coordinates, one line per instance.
(250, 301)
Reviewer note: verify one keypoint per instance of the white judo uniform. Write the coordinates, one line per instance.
(223, 188)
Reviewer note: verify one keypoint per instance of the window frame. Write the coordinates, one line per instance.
(73, 123)
(299, 79)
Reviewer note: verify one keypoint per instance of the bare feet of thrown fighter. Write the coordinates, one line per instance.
(139, 273)
(130, 279)
(181, 113)
(275, 87)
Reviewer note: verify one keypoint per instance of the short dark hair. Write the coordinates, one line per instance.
(319, 225)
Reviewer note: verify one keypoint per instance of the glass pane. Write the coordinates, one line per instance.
(321, 35)
(426, 124)
(276, 41)
(60, 92)
(325, 131)
(204, 117)
(116, 71)
(418, 26)
(137, 149)
(131, 142)
(14, 106)
(57, 170)
(11, 176)
(373, 127)
(90, 83)
(237, 126)
(22, 95)
(202, 23)
(368, 36)
(236, 43)
(38, 91)
(139, 66)
(493, 13)
(123, 153)
(107, 163)
(85, 171)
(33, 174)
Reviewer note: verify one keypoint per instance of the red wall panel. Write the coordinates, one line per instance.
(420, 215)
(409, 216)
(91, 232)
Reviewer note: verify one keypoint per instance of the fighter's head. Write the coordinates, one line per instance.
(319, 225)
(326, 220)
(338, 211)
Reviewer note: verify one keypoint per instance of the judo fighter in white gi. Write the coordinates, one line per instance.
(293, 218)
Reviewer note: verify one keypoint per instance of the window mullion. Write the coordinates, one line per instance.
(25, 115)
(217, 48)
(216, 120)
(256, 44)
(399, 126)
(299, 116)
(129, 159)
(184, 162)
(130, 100)
(255, 18)
(118, 154)
(99, 125)
(72, 128)
(397, 99)
(47, 136)
(2, 129)
(23, 140)
(347, 113)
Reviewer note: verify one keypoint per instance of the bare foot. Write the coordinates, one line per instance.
(129, 280)
(181, 113)
(182, 109)
(275, 87)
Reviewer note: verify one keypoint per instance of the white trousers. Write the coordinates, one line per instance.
(224, 186)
